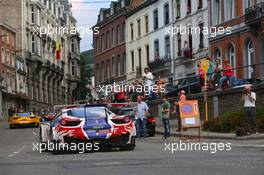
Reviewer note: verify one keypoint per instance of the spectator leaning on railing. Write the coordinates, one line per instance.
(217, 71)
(201, 74)
(228, 75)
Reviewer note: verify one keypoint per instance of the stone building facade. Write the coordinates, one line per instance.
(42, 80)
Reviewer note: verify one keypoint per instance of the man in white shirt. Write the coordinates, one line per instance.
(249, 99)
(141, 117)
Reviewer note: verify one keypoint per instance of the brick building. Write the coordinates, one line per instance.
(244, 46)
(7, 67)
(109, 44)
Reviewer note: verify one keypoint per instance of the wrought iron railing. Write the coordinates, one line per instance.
(255, 13)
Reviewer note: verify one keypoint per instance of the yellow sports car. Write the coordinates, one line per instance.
(23, 119)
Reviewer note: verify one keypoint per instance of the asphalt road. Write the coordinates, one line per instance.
(150, 157)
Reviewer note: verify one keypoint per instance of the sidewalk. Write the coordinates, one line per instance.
(193, 133)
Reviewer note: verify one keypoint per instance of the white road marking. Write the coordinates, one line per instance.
(107, 163)
(16, 152)
(245, 145)
(35, 133)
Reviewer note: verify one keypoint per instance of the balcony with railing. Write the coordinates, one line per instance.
(254, 14)
(160, 64)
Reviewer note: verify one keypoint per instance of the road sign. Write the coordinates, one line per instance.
(190, 116)
(189, 113)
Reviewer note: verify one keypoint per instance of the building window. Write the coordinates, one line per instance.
(146, 24)
(156, 49)
(102, 70)
(166, 14)
(3, 36)
(178, 7)
(147, 54)
(97, 73)
(218, 55)
(132, 61)
(200, 4)
(13, 40)
(49, 4)
(108, 68)
(113, 37)
(3, 55)
(72, 46)
(7, 39)
(247, 4)
(13, 59)
(124, 63)
(108, 39)
(33, 44)
(189, 6)
(33, 15)
(113, 66)
(231, 55)
(139, 58)
(217, 11)
(73, 68)
(201, 45)
(155, 19)
(139, 27)
(102, 42)
(167, 47)
(118, 34)
(179, 44)
(131, 32)
(118, 67)
(96, 45)
(124, 31)
(229, 9)
(7, 57)
(250, 52)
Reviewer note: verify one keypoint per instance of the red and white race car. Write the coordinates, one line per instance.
(88, 124)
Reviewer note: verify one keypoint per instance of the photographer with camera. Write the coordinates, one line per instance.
(249, 99)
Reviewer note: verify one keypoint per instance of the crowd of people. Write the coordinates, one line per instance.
(217, 77)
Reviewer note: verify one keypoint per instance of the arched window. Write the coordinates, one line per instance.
(217, 54)
(231, 55)
(249, 58)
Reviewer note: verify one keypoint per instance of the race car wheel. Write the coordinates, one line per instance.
(11, 126)
(129, 147)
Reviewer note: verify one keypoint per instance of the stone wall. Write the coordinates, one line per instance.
(218, 102)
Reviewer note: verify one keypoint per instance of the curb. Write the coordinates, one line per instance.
(216, 137)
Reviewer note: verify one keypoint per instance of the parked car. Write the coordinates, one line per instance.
(25, 119)
(89, 123)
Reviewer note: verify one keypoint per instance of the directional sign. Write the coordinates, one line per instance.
(189, 113)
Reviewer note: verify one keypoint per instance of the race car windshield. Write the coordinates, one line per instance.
(89, 112)
(23, 114)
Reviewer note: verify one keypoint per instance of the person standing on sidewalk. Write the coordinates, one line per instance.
(141, 117)
(182, 98)
(165, 116)
(249, 99)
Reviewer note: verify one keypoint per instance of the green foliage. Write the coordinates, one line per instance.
(232, 120)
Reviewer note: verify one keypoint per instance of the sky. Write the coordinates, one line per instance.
(86, 16)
